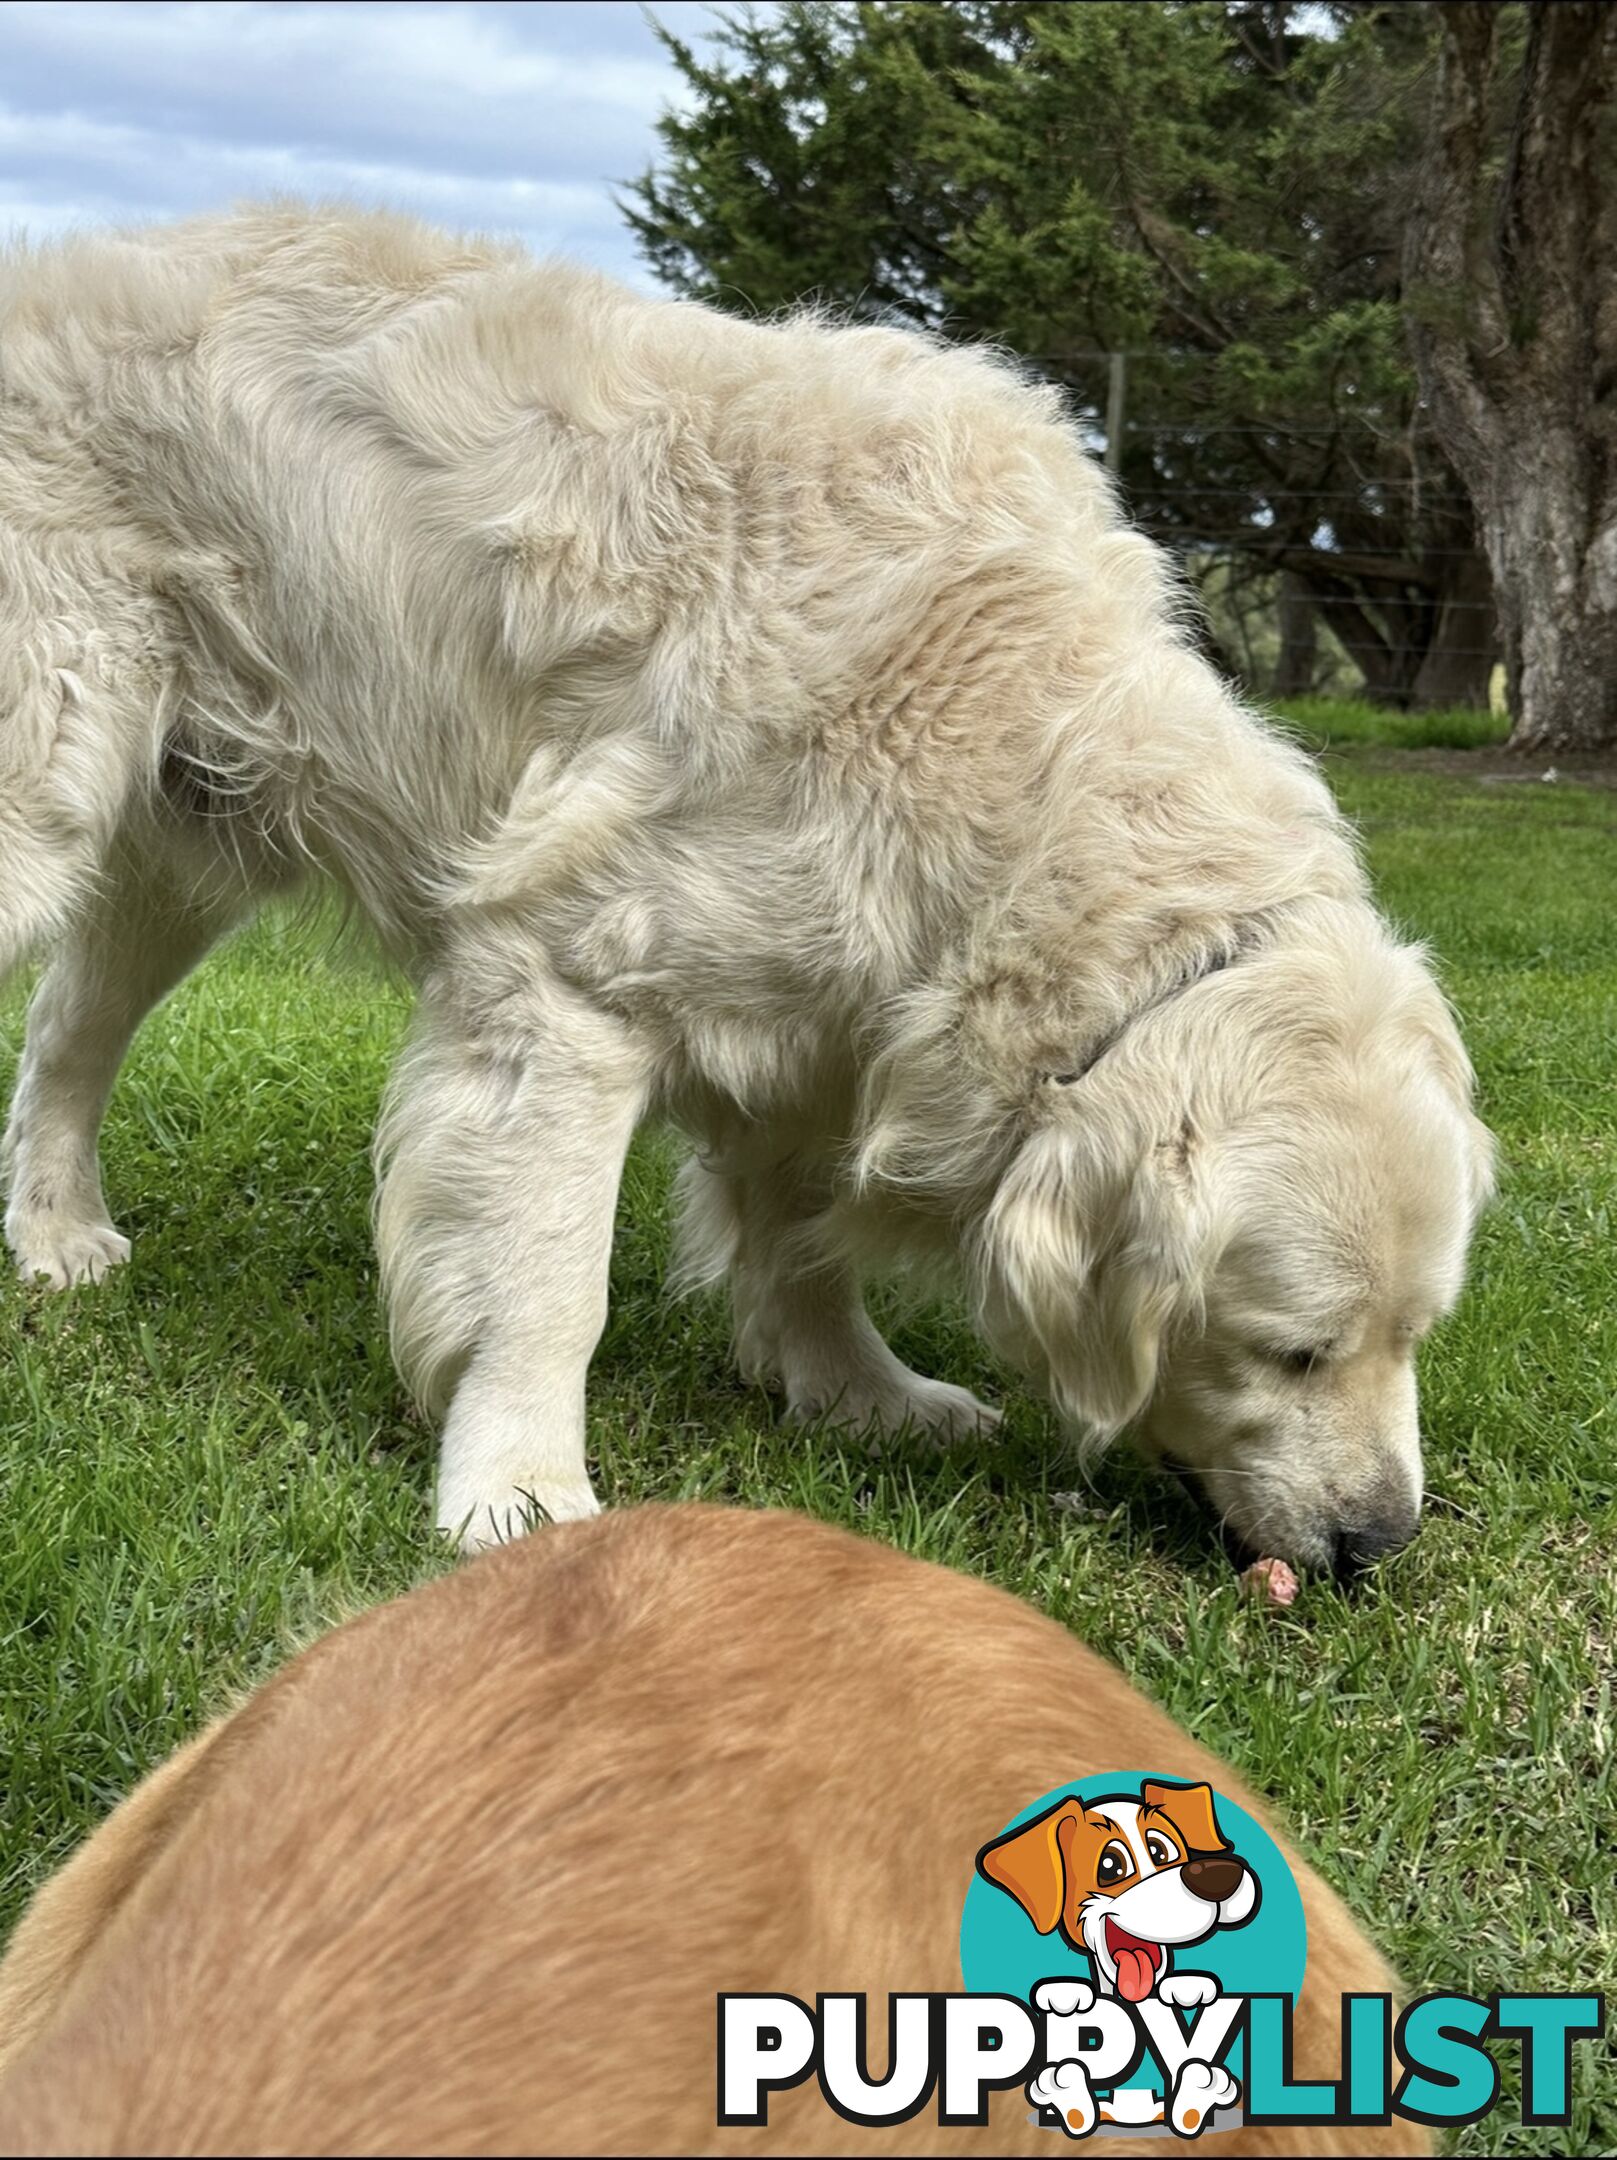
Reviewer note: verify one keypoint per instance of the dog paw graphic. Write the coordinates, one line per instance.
(1199, 2091)
(1187, 1991)
(1064, 1998)
(1064, 2086)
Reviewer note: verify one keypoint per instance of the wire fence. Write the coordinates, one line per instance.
(1331, 551)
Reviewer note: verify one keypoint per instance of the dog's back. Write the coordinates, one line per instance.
(360, 516)
(469, 1875)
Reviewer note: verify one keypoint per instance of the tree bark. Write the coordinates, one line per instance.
(1560, 617)
(1513, 318)
(1298, 658)
(1457, 667)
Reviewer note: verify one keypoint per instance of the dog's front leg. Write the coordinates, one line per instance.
(502, 1146)
(800, 1319)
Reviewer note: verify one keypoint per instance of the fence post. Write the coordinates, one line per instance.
(1116, 391)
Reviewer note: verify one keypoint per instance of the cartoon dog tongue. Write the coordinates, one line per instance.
(1136, 1963)
(1134, 1973)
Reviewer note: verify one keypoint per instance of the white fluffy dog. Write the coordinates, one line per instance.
(769, 726)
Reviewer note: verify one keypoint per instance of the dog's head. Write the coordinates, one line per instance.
(1232, 1229)
(1127, 1880)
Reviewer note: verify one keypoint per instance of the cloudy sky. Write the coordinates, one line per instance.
(514, 116)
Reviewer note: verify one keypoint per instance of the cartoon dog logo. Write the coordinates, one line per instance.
(1128, 1879)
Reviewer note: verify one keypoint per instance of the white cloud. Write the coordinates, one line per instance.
(112, 161)
(336, 66)
(507, 118)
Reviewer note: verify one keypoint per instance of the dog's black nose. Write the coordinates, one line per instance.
(1215, 1879)
(1359, 1545)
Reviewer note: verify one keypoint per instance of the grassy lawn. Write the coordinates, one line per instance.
(209, 1454)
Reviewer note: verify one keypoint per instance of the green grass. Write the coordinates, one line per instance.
(1327, 724)
(210, 1453)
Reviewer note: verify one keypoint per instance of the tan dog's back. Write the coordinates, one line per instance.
(469, 1875)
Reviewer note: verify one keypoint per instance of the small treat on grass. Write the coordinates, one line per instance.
(1269, 1582)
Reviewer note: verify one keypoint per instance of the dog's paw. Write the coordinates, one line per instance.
(1064, 2086)
(942, 1410)
(58, 1251)
(934, 1409)
(1187, 1990)
(1199, 2091)
(1064, 1998)
(476, 1522)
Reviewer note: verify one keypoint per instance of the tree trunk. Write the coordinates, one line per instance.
(1515, 334)
(1457, 667)
(1386, 653)
(1386, 675)
(1560, 618)
(1298, 658)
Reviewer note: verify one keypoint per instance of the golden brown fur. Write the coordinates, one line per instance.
(393, 1903)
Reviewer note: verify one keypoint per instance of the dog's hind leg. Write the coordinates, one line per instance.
(82, 716)
(798, 1314)
(145, 926)
(502, 1146)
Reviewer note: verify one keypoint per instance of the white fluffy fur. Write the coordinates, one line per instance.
(770, 726)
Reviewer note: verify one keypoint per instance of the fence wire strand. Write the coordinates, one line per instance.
(1379, 603)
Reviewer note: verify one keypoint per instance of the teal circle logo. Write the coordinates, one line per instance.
(1130, 1900)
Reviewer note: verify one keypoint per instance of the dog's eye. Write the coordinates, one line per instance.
(1162, 1853)
(1113, 1864)
(1296, 1361)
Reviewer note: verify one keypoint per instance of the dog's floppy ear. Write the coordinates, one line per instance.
(1090, 1247)
(1439, 1039)
(1031, 1864)
(1190, 1809)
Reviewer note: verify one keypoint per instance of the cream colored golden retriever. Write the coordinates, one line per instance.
(769, 726)
(469, 1876)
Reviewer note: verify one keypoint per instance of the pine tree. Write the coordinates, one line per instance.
(1215, 190)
